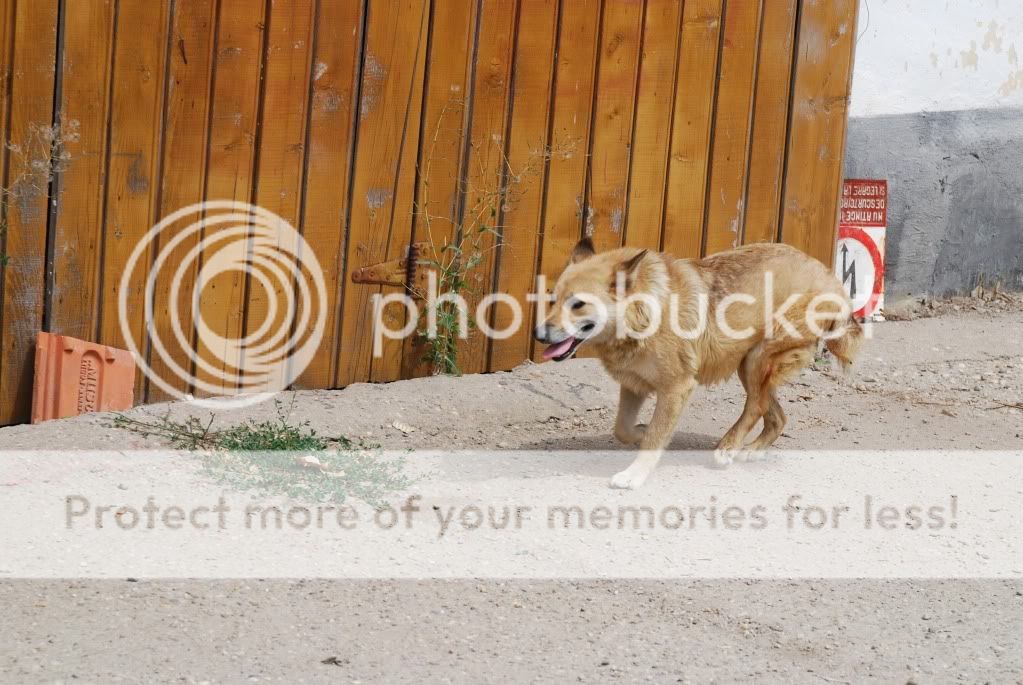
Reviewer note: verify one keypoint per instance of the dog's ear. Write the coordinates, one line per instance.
(627, 270)
(583, 250)
(629, 266)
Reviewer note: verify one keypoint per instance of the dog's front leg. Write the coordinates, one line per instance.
(670, 403)
(626, 429)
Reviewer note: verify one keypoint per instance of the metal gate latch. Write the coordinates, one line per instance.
(408, 273)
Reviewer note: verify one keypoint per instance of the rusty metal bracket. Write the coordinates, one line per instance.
(408, 273)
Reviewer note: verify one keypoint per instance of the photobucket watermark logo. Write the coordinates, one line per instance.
(621, 312)
(225, 239)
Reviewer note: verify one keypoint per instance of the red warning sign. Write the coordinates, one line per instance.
(859, 263)
(861, 267)
(864, 203)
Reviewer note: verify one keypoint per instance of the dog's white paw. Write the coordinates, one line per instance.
(725, 457)
(748, 455)
(629, 479)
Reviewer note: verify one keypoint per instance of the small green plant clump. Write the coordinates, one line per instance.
(455, 263)
(193, 434)
(277, 457)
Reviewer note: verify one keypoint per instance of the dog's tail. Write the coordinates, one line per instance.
(844, 341)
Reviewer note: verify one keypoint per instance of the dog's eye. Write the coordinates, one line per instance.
(577, 305)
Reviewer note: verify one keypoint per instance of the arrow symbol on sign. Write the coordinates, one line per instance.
(848, 271)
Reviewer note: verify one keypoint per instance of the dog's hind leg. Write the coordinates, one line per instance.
(754, 371)
(774, 424)
(784, 367)
(626, 430)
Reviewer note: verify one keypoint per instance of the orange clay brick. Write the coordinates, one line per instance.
(75, 377)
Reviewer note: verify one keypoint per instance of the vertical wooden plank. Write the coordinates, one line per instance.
(389, 366)
(184, 180)
(329, 153)
(444, 110)
(615, 103)
(528, 137)
(770, 121)
(820, 103)
(726, 198)
(133, 168)
(440, 159)
(691, 128)
(565, 210)
(88, 45)
(229, 176)
(651, 141)
(286, 82)
(7, 11)
(388, 113)
(7, 24)
(30, 111)
(487, 171)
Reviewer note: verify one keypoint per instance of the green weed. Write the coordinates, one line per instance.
(277, 457)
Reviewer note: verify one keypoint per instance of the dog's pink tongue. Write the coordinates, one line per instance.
(559, 349)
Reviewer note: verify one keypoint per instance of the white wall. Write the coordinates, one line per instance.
(937, 55)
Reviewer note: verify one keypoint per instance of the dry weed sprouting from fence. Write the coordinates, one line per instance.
(486, 191)
(34, 164)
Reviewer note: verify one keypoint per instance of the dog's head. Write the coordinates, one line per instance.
(587, 299)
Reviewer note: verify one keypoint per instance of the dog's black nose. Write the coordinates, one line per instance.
(540, 333)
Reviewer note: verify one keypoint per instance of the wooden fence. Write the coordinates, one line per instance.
(687, 126)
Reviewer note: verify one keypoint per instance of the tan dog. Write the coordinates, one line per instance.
(758, 310)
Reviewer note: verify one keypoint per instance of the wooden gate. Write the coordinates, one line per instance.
(687, 126)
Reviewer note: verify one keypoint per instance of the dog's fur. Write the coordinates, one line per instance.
(670, 366)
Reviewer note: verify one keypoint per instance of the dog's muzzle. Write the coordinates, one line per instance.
(558, 350)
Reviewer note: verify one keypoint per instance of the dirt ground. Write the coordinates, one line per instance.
(948, 378)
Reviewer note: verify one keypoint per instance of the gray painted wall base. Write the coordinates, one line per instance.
(955, 212)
